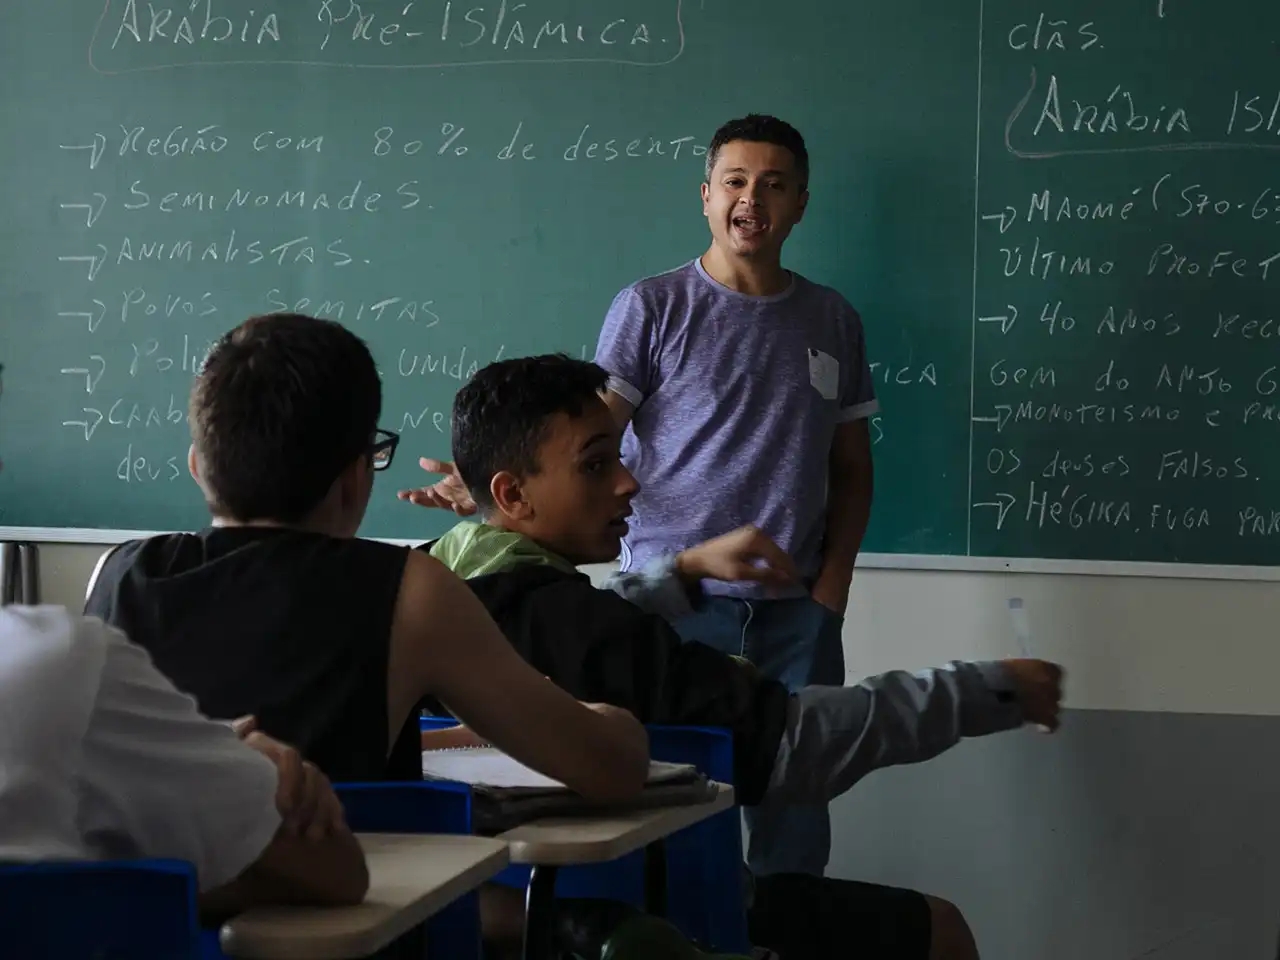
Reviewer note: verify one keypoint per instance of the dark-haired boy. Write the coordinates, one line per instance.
(538, 448)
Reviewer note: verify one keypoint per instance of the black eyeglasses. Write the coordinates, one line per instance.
(383, 449)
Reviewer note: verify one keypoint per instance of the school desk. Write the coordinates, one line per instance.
(411, 877)
(555, 842)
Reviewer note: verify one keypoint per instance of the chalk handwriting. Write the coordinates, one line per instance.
(137, 304)
(904, 374)
(1065, 466)
(1167, 260)
(1194, 465)
(1129, 321)
(1042, 262)
(232, 250)
(408, 34)
(1258, 522)
(177, 141)
(1044, 33)
(421, 312)
(142, 469)
(355, 197)
(201, 21)
(1005, 415)
(1116, 112)
(1232, 325)
(148, 357)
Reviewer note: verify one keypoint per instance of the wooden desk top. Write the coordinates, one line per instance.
(411, 877)
(566, 841)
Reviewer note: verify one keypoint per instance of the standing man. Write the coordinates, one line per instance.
(747, 391)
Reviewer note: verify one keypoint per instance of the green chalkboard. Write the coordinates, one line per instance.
(1060, 226)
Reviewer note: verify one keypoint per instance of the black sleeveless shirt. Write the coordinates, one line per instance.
(290, 626)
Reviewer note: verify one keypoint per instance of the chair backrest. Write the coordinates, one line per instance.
(422, 807)
(97, 571)
(112, 910)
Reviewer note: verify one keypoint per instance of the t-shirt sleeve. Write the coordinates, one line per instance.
(858, 394)
(626, 347)
(162, 780)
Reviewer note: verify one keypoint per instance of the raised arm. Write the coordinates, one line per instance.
(444, 644)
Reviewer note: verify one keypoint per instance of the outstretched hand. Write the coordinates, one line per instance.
(448, 493)
(745, 554)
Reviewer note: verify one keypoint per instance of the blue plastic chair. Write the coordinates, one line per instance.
(422, 807)
(705, 874)
(111, 910)
(146, 909)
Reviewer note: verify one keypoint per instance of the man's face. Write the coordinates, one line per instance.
(581, 495)
(753, 199)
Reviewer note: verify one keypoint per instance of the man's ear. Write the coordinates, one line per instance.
(508, 496)
(804, 204)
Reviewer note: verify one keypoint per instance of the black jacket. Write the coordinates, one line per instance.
(601, 648)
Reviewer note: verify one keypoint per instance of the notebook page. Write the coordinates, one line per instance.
(489, 766)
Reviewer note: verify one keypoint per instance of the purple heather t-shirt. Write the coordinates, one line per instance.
(737, 400)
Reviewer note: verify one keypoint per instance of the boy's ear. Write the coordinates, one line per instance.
(509, 496)
(350, 482)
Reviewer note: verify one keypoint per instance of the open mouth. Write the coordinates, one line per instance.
(619, 524)
(749, 226)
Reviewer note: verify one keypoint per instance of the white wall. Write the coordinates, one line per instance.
(1128, 643)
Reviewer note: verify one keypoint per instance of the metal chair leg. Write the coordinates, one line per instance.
(539, 914)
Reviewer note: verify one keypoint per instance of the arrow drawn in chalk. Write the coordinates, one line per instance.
(89, 424)
(95, 262)
(95, 149)
(1006, 218)
(90, 378)
(1006, 321)
(93, 324)
(94, 211)
(1003, 503)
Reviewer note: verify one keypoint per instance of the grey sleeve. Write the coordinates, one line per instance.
(656, 589)
(835, 736)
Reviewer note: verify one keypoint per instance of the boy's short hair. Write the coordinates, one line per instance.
(283, 405)
(500, 416)
(761, 128)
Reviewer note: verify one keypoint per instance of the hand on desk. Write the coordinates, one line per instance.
(304, 797)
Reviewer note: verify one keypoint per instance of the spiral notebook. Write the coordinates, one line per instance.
(507, 793)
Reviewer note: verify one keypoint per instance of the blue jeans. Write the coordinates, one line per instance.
(797, 642)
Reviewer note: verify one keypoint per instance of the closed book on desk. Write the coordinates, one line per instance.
(506, 793)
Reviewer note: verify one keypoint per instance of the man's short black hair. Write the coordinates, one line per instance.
(761, 128)
(283, 405)
(500, 416)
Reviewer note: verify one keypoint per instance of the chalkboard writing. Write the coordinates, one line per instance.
(1061, 225)
(1126, 251)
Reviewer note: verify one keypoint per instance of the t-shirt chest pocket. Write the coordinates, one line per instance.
(824, 374)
